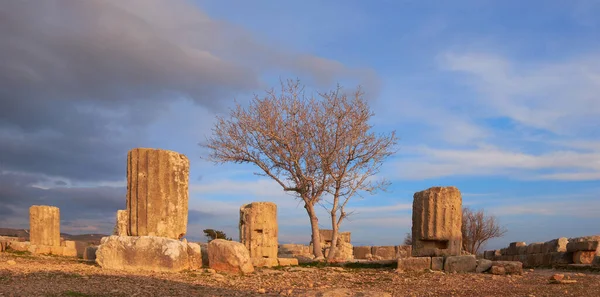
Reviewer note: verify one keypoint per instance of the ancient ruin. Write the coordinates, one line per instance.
(122, 222)
(157, 193)
(344, 249)
(560, 251)
(437, 221)
(44, 225)
(258, 229)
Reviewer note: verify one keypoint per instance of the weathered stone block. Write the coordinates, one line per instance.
(555, 245)
(483, 265)
(122, 222)
(288, 262)
(498, 270)
(384, 252)
(194, 252)
(596, 261)
(289, 250)
(147, 253)
(44, 225)
(360, 252)
(561, 258)
(582, 246)
(258, 229)
(90, 253)
(157, 193)
(437, 221)
(414, 264)
(264, 262)
(437, 263)
(403, 251)
(510, 267)
(522, 250)
(584, 257)
(19, 246)
(229, 256)
(460, 264)
(326, 235)
(535, 248)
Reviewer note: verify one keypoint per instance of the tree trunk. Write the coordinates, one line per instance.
(333, 248)
(334, 238)
(314, 225)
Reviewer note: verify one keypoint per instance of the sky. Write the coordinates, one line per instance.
(497, 98)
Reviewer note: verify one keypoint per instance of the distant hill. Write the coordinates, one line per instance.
(24, 233)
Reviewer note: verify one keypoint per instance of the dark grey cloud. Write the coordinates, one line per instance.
(81, 82)
(92, 205)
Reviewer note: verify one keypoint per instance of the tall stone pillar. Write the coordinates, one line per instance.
(437, 222)
(44, 225)
(258, 229)
(157, 193)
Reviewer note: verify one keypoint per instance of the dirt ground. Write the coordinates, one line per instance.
(58, 276)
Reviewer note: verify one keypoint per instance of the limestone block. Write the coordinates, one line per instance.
(555, 245)
(535, 248)
(582, 246)
(403, 251)
(90, 253)
(288, 262)
(19, 246)
(460, 263)
(293, 249)
(258, 229)
(229, 256)
(44, 225)
(385, 252)
(561, 258)
(157, 193)
(492, 255)
(149, 253)
(513, 248)
(45, 250)
(510, 267)
(498, 270)
(584, 257)
(596, 261)
(264, 262)
(522, 250)
(414, 264)
(122, 222)
(69, 252)
(483, 265)
(326, 235)
(437, 221)
(194, 252)
(437, 263)
(360, 252)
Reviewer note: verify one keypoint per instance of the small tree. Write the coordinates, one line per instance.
(477, 229)
(314, 148)
(408, 239)
(213, 234)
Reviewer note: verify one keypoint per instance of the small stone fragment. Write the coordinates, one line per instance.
(11, 262)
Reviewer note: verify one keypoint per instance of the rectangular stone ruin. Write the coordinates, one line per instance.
(344, 249)
(437, 221)
(259, 232)
(157, 193)
(44, 225)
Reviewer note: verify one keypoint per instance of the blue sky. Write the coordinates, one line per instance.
(497, 98)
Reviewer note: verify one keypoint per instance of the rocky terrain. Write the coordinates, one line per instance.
(26, 275)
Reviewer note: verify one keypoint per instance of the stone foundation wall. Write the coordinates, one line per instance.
(382, 252)
(560, 251)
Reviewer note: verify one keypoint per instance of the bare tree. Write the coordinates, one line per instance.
(477, 229)
(408, 239)
(313, 147)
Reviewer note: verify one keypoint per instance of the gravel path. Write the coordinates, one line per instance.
(58, 276)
